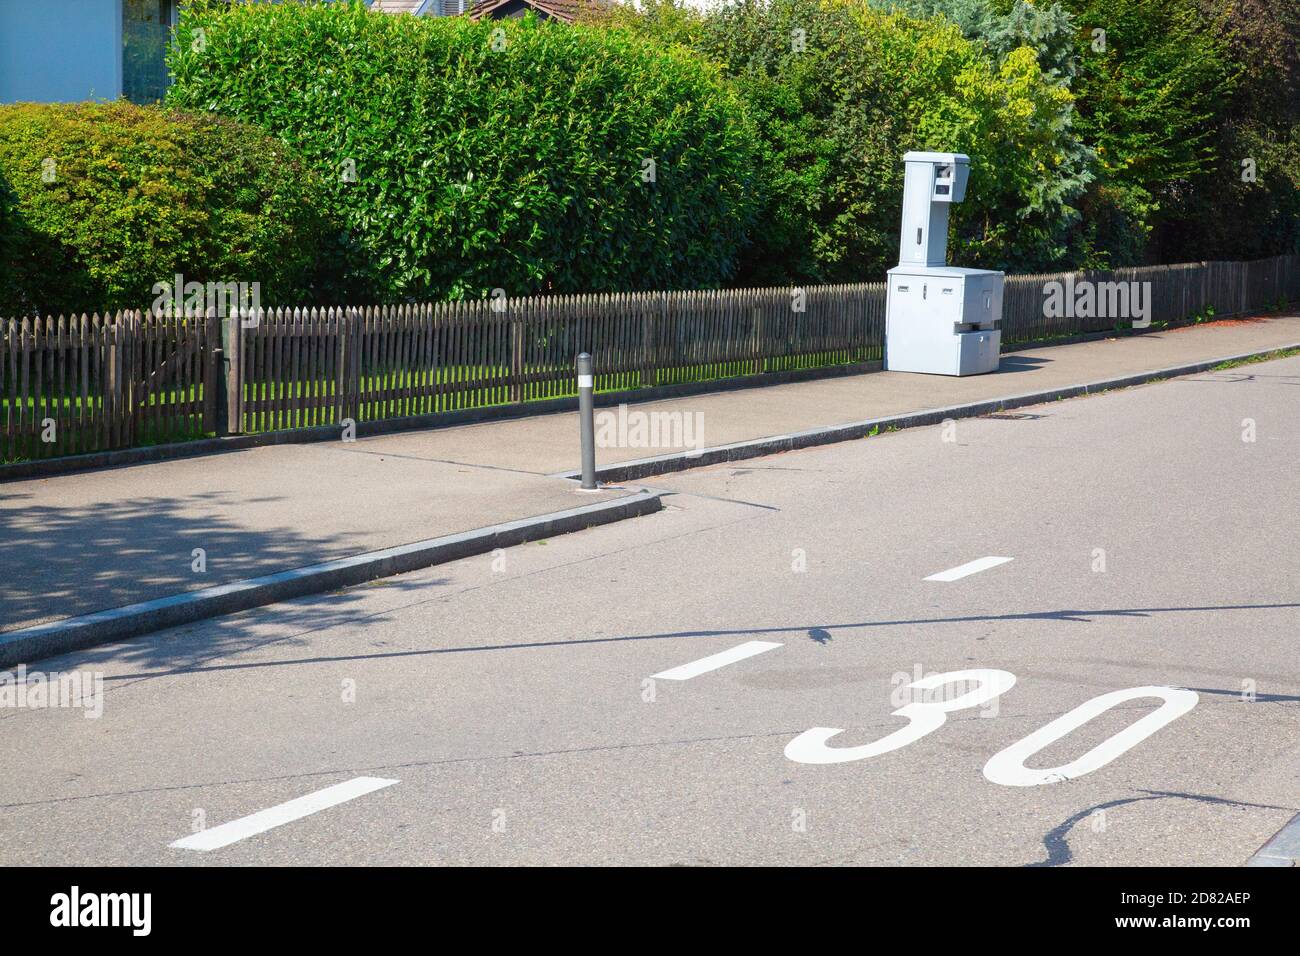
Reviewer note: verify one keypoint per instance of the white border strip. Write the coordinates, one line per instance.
(714, 661)
(236, 830)
(969, 568)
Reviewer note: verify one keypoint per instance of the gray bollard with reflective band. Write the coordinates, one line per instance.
(587, 416)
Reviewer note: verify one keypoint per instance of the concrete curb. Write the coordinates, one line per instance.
(1283, 849)
(829, 434)
(75, 633)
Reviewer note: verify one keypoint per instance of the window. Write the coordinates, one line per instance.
(146, 31)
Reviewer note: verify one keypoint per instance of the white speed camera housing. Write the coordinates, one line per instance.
(939, 318)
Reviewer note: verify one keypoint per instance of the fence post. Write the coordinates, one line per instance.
(126, 375)
(343, 327)
(349, 382)
(232, 371)
(113, 376)
(355, 335)
(649, 336)
(216, 410)
(517, 359)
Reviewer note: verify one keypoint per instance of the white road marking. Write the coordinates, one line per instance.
(714, 661)
(970, 567)
(236, 830)
(1008, 767)
(923, 717)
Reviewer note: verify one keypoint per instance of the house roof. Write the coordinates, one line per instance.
(566, 10)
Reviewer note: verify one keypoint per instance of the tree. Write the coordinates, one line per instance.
(1152, 80)
(839, 91)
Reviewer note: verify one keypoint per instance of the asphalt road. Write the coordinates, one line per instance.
(514, 698)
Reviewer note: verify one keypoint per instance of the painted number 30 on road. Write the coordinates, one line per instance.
(1008, 766)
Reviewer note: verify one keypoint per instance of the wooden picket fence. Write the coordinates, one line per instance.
(1177, 293)
(91, 383)
(88, 383)
(301, 368)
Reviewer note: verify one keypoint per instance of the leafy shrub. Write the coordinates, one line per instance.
(488, 155)
(137, 194)
(840, 91)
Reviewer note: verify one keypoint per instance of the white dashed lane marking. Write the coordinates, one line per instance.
(236, 830)
(714, 661)
(971, 567)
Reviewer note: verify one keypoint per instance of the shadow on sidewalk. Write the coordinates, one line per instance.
(1020, 363)
(58, 562)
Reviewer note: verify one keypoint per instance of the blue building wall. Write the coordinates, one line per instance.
(60, 50)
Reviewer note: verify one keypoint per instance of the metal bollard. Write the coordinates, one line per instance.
(587, 416)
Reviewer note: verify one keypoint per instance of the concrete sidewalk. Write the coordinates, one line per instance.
(75, 544)
(544, 444)
(80, 543)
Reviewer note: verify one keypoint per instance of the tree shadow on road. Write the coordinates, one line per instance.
(1056, 841)
(818, 632)
(192, 648)
(1075, 616)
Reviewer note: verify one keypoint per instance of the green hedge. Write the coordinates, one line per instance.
(487, 155)
(137, 194)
